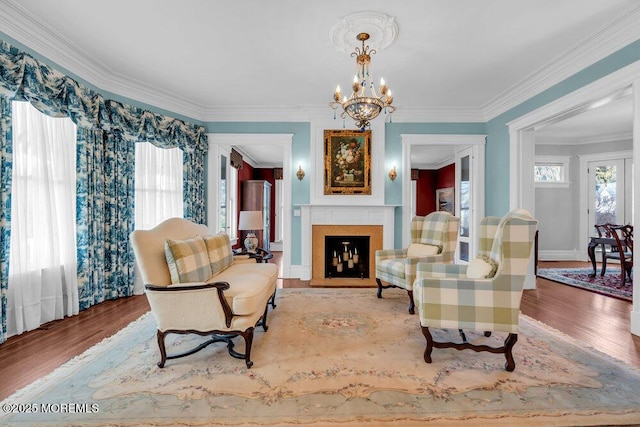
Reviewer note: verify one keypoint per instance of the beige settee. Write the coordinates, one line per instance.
(194, 284)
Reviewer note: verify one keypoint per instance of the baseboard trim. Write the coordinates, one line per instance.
(275, 246)
(300, 272)
(568, 255)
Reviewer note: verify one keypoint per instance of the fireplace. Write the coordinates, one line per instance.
(346, 256)
(318, 221)
(366, 239)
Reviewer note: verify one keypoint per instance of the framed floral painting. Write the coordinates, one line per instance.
(347, 162)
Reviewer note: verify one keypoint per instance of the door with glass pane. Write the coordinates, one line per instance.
(223, 212)
(606, 193)
(464, 204)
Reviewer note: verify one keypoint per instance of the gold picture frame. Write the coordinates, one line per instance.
(347, 162)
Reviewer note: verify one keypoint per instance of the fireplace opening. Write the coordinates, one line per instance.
(346, 256)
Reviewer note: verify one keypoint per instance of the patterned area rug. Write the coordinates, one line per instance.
(579, 277)
(337, 357)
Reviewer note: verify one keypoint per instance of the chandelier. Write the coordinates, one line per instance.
(364, 104)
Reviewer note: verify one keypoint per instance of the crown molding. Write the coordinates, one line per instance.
(440, 139)
(603, 42)
(39, 37)
(262, 113)
(596, 139)
(433, 166)
(439, 115)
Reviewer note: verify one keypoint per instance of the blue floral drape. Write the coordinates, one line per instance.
(107, 133)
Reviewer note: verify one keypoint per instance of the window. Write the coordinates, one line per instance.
(43, 266)
(551, 171)
(228, 199)
(159, 193)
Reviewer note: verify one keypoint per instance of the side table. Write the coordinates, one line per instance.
(260, 254)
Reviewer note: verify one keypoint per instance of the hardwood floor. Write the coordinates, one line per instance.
(596, 320)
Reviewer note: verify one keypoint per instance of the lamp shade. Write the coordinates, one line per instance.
(250, 220)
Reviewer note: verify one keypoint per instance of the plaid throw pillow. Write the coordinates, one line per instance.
(219, 250)
(188, 260)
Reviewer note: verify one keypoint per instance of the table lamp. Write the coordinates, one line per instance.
(250, 221)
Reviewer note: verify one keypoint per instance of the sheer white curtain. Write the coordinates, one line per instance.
(42, 263)
(158, 185)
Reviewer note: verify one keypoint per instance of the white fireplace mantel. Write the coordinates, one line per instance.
(311, 215)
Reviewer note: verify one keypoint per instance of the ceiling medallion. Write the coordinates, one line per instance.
(382, 30)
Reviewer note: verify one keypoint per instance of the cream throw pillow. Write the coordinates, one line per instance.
(481, 268)
(419, 250)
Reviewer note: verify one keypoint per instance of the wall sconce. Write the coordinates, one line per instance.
(300, 173)
(393, 174)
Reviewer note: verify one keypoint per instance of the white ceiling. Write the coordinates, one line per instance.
(453, 60)
(612, 121)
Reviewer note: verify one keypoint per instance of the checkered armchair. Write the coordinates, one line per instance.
(483, 295)
(433, 239)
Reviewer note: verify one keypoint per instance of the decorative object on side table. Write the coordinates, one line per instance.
(250, 221)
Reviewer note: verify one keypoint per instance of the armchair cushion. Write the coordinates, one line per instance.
(419, 250)
(481, 267)
(187, 260)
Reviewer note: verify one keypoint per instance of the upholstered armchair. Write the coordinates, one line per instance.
(483, 295)
(195, 285)
(433, 239)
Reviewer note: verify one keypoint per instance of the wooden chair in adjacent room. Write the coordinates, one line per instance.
(609, 251)
(623, 235)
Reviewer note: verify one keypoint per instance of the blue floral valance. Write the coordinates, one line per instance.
(22, 77)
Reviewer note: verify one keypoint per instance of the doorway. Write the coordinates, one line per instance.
(219, 144)
(522, 146)
(467, 148)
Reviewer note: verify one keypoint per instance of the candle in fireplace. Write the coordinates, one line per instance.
(356, 257)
